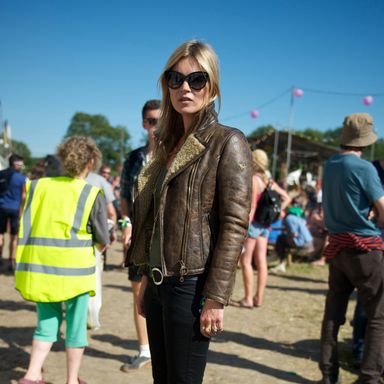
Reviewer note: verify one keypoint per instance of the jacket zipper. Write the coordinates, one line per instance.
(183, 268)
(161, 218)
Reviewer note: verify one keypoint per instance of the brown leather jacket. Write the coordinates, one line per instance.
(204, 208)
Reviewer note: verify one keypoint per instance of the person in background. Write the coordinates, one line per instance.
(63, 218)
(190, 217)
(10, 203)
(256, 243)
(95, 302)
(100, 181)
(379, 165)
(52, 166)
(295, 235)
(351, 187)
(116, 192)
(37, 171)
(317, 228)
(359, 321)
(49, 166)
(133, 165)
(105, 171)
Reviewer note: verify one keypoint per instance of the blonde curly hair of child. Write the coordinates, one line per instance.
(76, 152)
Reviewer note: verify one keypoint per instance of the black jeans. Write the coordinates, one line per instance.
(178, 349)
(359, 326)
(365, 271)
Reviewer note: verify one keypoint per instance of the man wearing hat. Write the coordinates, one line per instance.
(351, 188)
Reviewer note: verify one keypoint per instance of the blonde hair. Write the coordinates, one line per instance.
(76, 152)
(170, 128)
(260, 163)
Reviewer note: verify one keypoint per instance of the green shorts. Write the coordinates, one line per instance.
(50, 317)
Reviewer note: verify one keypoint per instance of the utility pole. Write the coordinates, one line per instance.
(290, 129)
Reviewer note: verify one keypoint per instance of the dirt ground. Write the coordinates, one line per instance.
(277, 343)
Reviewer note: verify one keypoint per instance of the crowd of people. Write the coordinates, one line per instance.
(193, 205)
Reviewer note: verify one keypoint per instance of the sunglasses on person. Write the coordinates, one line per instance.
(195, 80)
(151, 121)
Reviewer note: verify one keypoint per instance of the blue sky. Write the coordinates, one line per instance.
(105, 57)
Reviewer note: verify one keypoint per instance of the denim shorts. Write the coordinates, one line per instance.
(257, 230)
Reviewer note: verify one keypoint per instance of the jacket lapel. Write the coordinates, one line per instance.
(194, 147)
(146, 183)
(190, 151)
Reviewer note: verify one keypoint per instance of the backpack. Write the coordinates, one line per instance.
(5, 176)
(268, 207)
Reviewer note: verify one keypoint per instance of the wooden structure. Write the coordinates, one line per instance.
(306, 154)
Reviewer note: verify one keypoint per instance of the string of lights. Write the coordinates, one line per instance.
(341, 93)
(298, 92)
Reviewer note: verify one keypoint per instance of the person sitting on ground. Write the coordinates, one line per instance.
(295, 235)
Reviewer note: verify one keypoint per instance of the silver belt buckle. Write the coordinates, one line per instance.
(158, 272)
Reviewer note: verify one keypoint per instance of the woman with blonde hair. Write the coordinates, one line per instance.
(190, 217)
(255, 246)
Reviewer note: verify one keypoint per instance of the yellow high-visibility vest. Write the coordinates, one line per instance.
(55, 259)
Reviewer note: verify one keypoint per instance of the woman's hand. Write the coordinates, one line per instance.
(211, 318)
(140, 297)
(126, 237)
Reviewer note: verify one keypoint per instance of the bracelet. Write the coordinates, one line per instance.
(125, 222)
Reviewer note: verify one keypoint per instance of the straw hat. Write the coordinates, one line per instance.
(260, 158)
(358, 130)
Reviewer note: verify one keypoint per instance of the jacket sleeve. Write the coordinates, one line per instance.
(234, 190)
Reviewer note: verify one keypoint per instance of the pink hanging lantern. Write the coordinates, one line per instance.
(255, 114)
(368, 100)
(298, 92)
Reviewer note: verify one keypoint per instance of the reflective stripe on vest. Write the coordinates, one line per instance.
(27, 267)
(73, 242)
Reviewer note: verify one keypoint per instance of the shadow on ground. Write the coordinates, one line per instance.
(311, 291)
(10, 305)
(306, 349)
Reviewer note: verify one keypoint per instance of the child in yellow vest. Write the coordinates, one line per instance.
(63, 218)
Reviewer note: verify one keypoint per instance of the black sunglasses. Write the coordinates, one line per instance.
(196, 80)
(151, 121)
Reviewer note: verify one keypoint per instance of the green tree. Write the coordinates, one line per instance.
(332, 137)
(22, 149)
(375, 151)
(112, 141)
(312, 134)
(260, 131)
(378, 151)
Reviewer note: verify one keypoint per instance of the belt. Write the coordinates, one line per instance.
(157, 276)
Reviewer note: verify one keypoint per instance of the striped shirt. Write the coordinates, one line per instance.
(341, 241)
